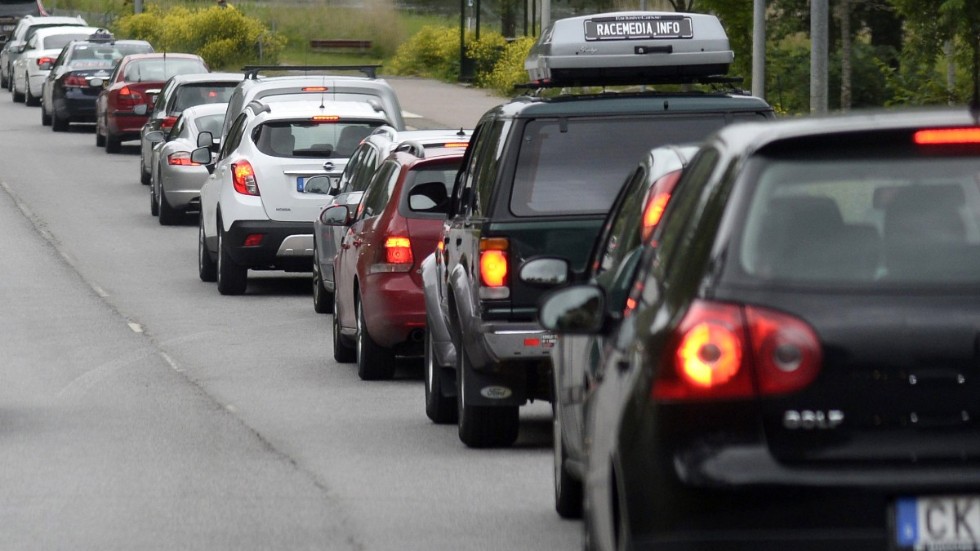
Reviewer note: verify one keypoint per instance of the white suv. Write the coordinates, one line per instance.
(256, 210)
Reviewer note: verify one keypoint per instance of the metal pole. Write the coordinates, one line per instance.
(137, 6)
(462, 38)
(545, 14)
(759, 49)
(818, 55)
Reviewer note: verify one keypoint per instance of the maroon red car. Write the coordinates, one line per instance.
(125, 102)
(379, 306)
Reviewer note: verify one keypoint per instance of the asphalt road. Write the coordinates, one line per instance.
(139, 409)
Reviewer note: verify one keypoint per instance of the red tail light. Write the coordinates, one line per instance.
(397, 256)
(727, 351)
(947, 136)
(657, 199)
(45, 61)
(181, 158)
(168, 122)
(243, 178)
(75, 81)
(126, 98)
(494, 268)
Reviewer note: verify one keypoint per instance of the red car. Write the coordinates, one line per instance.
(379, 307)
(126, 100)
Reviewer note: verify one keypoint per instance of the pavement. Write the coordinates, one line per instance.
(429, 104)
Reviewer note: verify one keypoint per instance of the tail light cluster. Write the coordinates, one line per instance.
(728, 351)
(243, 178)
(656, 202)
(397, 256)
(181, 158)
(42, 61)
(75, 81)
(127, 98)
(494, 268)
(168, 122)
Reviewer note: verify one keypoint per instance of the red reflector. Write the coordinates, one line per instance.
(326, 118)
(254, 239)
(315, 89)
(532, 342)
(947, 136)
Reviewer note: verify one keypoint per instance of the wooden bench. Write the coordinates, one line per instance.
(341, 44)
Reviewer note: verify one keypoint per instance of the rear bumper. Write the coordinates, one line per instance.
(394, 307)
(284, 245)
(125, 125)
(76, 106)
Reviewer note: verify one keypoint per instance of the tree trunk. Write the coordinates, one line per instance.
(845, 54)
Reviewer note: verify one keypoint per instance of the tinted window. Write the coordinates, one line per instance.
(61, 40)
(379, 191)
(103, 56)
(311, 139)
(210, 123)
(577, 165)
(161, 69)
(851, 220)
(429, 197)
(190, 95)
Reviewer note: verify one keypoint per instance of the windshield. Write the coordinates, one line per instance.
(883, 220)
(59, 41)
(210, 123)
(190, 95)
(311, 138)
(104, 56)
(577, 165)
(158, 70)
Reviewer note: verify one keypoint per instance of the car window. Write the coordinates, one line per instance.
(234, 136)
(310, 138)
(59, 40)
(577, 165)
(365, 170)
(190, 95)
(147, 70)
(209, 123)
(854, 219)
(379, 191)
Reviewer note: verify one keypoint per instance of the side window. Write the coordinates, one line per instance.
(365, 170)
(177, 129)
(378, 191)
(164, 97)
(487, 165)
(624, 229)
(352, 164)
(234, 136)
(464, 179)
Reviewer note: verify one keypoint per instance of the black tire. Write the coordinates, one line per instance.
(343, 351)
(374, 362)
(112, 144)
(144, 174)
(3, 81)
(58, 124)
(483, 426)
(322, 298)
(154, 206)
(207, 270)
(17, 97)
(232, 278)
(439, 408)
(30, 99)
(45, 117)
(99, 138)
(568, 489)
(168, 216)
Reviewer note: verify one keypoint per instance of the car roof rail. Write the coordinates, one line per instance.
(387, 130)
(252, 71)
(412, 147)
(258, 107)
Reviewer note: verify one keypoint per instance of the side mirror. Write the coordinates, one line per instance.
(317, 184)
(202, 156)
(154, 136)
(545, 272)
(336, 215)
(205, 139)
(430, 197)
(19, 49)
(579, 309)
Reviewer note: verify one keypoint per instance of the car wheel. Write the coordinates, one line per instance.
(45, 117)
(322, 299)
(3, 81)
(154, 206)
(168, 215)
(374, 362)
(30, 99)
(568, 489)
(16, 96)
(144, 174)
(482, 426)
(232, 278)
(207, 270)
(343, 352)
(112, 143)
(58, 124)
(438, 407)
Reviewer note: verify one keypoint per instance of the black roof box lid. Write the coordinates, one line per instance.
(629, 47)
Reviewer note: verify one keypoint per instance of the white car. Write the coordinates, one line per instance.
(34, 63)
(256, 210)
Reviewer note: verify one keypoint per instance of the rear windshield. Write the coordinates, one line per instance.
(896, 219)
(210, 123)
(103, 56)
(190, 95)
(310, 138)
(430, 188)
(577, 165)
(158, 70)
(59, 41)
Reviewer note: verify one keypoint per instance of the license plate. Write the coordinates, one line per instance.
(8, 27)
(638, 27)
(938, 523)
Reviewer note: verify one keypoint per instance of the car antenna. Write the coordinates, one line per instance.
(975, 100)
(323, 92)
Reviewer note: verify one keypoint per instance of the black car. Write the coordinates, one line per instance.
(539, 177)
(798, 363)
(76, 78)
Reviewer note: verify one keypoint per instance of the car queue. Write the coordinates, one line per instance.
(754, 333)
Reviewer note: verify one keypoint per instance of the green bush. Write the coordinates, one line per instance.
(508, 71)
(224, 37)
(431, 52)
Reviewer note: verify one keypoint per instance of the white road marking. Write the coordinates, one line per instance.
(137, 328)
(410, 115)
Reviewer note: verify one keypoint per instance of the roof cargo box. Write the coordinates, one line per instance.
(630, 47)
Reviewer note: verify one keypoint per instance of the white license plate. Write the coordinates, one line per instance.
(8, 27)
(938, 523)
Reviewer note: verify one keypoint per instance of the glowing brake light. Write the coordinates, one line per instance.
(45, 61)
(657, 199)
(494, 268)
(315, 89)
(947, 136)
(243, 178)
(181, 158)
(456, 145)
(326, 118)
(728, 351)
(397, 256)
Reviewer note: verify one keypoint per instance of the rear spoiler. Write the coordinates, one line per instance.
(252, 71)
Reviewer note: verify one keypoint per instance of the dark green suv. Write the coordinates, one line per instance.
(537, 181)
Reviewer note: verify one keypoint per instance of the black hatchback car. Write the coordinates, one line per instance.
(799, 364)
